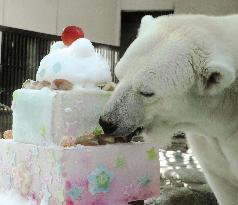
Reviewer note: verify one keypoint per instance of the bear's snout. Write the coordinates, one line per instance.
(108, 127)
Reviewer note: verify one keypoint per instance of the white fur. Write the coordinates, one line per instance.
(174, 57)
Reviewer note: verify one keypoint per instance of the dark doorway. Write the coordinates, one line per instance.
(130, 22)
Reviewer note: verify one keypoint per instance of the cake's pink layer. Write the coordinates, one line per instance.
(104, 175)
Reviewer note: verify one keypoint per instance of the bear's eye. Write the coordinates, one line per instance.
(213, 79)
(147, 94)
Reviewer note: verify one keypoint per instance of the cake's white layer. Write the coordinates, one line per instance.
(32, 115)
(77, 63)
(44, 116)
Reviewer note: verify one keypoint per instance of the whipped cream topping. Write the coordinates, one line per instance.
(77, 63)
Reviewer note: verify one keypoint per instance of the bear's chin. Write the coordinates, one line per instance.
(160, 137)
(133, 134)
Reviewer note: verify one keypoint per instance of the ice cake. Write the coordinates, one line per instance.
(66, 99)
(54, 158)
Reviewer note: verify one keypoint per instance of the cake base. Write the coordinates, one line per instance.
(107, 175)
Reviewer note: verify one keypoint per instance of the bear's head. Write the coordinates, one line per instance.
(174, 76)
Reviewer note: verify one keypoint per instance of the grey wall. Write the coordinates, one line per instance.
(138, 5)
(209, 7)
(100, 19)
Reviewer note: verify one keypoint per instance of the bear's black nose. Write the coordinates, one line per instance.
(107, 127)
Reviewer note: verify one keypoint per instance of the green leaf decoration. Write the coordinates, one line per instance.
(152, 154)
(120, 162)
(98, 131)
(42, 131)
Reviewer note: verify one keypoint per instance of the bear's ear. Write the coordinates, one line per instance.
(219, 75)
(146, 22)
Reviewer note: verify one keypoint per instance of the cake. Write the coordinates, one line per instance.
(68, 102)
(53, 119)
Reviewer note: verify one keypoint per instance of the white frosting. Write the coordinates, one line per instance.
(77, 63)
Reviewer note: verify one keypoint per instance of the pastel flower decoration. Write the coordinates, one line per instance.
(99, 180)
(76, 193)
(22, 179)
(51, 157)
(37, 169)
(83, 183)
(144, 181)
(12, 158)
(99, 200)
(48, 179)
(67, 185)
(46, 195)
(59, 168)
(29, 156)
(69, 201)
(60, 196)
(35, 151)
(33, 196)
(130, 190)
(6, 180)
(57, 67)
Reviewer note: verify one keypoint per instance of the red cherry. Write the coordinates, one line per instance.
(70, 34)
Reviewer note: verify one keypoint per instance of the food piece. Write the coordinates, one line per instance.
(7, 134)
(93, 140)
(70, 34)
(87, 140)
(109, 86)
(68, 141)
(31, 84)
(97, 137)
(104, 139)
(120, 140)
(61, 84)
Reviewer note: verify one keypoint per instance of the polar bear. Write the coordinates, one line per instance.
(181, 74)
